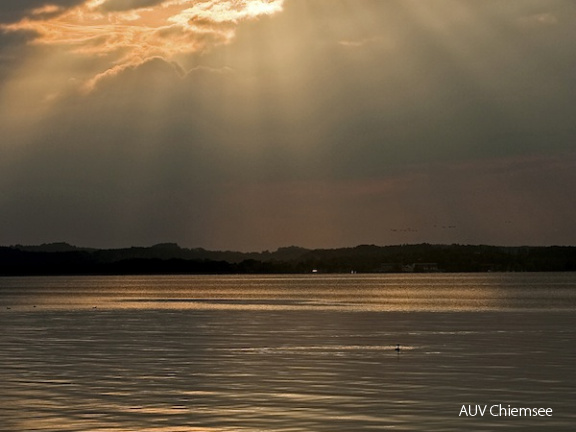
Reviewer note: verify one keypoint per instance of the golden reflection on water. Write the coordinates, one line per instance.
(131, 371)
(301, 292)
(277, 354)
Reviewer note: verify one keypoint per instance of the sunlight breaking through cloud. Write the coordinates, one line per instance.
(131, 32)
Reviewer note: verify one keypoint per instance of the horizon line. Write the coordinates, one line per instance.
(175, 244)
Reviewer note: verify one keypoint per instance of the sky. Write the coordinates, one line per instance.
(256, 124)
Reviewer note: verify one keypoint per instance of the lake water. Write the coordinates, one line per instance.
(286, 353)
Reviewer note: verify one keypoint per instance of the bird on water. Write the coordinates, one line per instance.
(397, 349)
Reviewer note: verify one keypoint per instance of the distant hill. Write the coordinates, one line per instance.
(169, 258)
(167, 251)
(52, 247)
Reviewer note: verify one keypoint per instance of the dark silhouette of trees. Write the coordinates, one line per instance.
(63, 259)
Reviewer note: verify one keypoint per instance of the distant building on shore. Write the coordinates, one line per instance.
(426, 267)
(408, 268)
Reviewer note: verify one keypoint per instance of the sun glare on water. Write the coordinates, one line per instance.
(131, 32)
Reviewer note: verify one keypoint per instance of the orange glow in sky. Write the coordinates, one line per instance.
(131, 35)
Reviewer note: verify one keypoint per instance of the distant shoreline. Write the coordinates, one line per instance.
(169, 258)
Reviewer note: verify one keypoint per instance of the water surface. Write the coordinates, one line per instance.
(286, 353)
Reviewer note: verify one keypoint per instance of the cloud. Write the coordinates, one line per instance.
(124, 5)
(14, 11)
(538, 20)
(128, 33)
(362, 42)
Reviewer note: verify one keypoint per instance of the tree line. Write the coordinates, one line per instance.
(64, 259)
